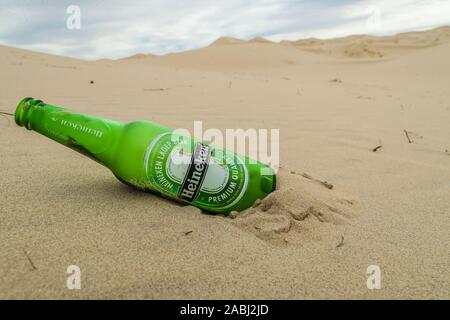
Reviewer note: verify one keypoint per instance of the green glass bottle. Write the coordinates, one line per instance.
(153, 158)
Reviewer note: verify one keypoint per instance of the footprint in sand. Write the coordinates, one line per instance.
(301, 209)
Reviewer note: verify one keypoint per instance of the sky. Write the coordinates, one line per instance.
(95, 29)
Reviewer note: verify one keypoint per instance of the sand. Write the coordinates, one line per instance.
(334, 101)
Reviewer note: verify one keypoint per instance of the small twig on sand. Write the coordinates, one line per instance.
(376, 148)
(324, 183)
(188, 232)
(7, 113)
(29, 260)
(341, 243)
(407, 136)
(157, 89)
(305, 175)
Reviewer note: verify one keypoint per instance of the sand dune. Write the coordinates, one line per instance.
(260, 40)
(236, 57)
(334, 101)
(228, 53)
(363, 46)
(227, 41)
(139, 56)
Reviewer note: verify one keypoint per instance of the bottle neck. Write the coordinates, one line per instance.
(94, 137)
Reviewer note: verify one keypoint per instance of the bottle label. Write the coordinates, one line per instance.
(194, 172)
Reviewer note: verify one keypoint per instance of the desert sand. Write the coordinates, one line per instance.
(334, 101)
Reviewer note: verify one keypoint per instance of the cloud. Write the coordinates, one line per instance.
(114, 29)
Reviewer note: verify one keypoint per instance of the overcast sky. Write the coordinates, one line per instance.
(115, 29)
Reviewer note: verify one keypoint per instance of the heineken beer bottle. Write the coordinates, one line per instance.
(154, 158)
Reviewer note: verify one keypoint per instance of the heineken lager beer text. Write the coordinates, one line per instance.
(154, 158)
